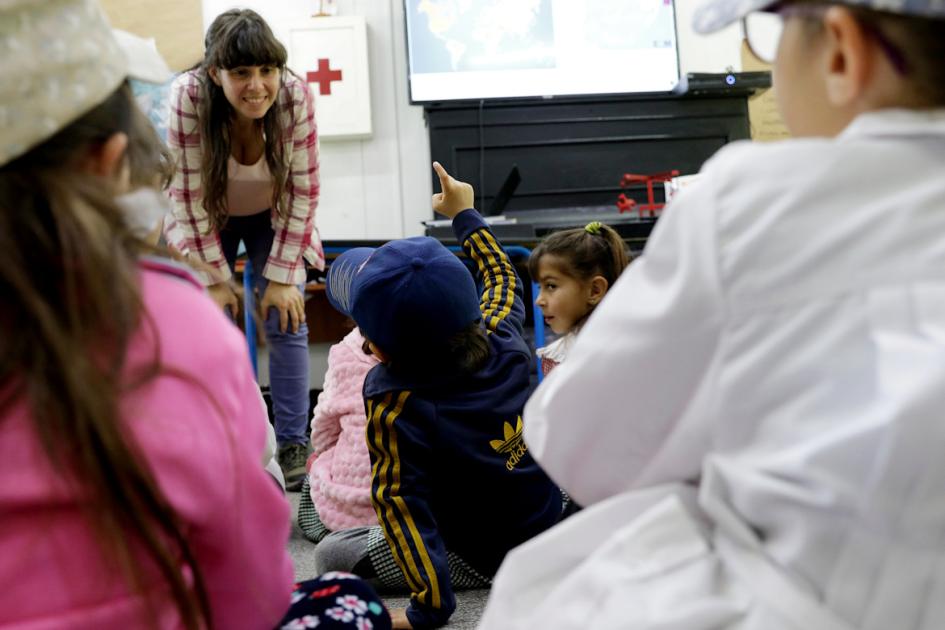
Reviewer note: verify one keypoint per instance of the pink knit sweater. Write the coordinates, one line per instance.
(340, 468)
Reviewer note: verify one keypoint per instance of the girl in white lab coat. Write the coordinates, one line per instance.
(761, 393)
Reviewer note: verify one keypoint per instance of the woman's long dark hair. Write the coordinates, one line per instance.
(70, 306)
(239, 37)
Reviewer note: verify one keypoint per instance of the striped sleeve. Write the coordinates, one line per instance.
(501, 299)
(188, 229)
(400, 456)
(294, 230)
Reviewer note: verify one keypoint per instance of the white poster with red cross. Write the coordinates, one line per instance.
(331, 54)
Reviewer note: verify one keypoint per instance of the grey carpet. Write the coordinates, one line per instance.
(469, 604)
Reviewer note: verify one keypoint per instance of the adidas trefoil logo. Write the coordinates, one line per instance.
(511, 443)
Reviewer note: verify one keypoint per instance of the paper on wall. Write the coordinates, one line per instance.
(763, 115)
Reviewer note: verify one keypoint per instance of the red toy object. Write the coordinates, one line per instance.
(626, 204)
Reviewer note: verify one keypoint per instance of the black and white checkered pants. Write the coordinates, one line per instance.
(364, 550)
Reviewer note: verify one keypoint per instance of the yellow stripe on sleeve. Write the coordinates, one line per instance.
(503, 297)
(382, 463)
(377, 452)
(422, 550)
(488, 262)
(405, 512)
(384, 426)
(503, 261)
(372, 414)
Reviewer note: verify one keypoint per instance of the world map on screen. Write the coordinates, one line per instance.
(483, 35)
(460, 35)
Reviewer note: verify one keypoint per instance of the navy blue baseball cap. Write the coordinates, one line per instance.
(405, 293)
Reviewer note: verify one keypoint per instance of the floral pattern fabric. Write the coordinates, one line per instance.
(335, 600)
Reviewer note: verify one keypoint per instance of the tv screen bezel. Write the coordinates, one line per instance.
(405, 5)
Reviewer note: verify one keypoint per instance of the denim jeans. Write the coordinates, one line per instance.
(288, 351)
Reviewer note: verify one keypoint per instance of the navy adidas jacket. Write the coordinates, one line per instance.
(450, 468)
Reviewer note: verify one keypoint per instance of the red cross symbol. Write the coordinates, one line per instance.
(323, 77)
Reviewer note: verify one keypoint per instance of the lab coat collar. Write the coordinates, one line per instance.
(897, 122)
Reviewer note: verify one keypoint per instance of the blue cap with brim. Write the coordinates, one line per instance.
(407, 292)
(718, 14)
(341, 276)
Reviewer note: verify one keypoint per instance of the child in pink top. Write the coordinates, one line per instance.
(131, 490)
(337, 493)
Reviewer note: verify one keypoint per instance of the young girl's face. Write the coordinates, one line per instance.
(564, 300)
(251, 90)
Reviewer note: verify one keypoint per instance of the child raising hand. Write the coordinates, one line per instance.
(453, 484)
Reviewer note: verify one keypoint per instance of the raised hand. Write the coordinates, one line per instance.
(455, 196)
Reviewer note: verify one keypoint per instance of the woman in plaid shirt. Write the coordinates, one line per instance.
(242, 131)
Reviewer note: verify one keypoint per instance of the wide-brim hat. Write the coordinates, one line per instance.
(717, 14)
(405, 293)
(62, 60)
(145, 63)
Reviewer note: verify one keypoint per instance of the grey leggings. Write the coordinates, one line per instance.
(364, 551)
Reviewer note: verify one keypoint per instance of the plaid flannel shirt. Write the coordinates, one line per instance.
(188, 228)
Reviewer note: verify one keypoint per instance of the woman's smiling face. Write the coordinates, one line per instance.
(251, 90)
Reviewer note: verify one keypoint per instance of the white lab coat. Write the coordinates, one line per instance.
(755, 415)
(270, 458)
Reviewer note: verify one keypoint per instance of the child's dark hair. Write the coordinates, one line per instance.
(593, 250)
(918, 48)
(461, 354)
(922, 42)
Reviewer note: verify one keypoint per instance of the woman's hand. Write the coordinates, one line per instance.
(456, 196)
(288, 299)
(223, 294)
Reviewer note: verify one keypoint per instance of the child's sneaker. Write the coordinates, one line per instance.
(292, 462)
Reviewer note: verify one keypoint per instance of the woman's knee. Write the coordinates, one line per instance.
(276, 336)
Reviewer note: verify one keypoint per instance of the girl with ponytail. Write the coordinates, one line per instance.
(574, 270)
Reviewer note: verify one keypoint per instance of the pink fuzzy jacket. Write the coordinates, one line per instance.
(340, 468)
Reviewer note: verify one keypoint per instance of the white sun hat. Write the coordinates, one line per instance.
(145, 63)
(60, 60)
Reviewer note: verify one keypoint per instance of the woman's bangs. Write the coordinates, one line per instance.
(251, 47)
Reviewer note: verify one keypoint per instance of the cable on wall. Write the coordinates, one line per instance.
(482, 160)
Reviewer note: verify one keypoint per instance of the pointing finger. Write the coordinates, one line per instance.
(445, 177)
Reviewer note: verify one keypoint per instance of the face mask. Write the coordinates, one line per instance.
(144, 209)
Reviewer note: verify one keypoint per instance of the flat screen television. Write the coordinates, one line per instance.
(497, 49)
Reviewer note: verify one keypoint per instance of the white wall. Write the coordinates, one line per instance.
(380, 188)
(717, 52)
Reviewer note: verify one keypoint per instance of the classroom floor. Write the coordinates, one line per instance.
(469, 604)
